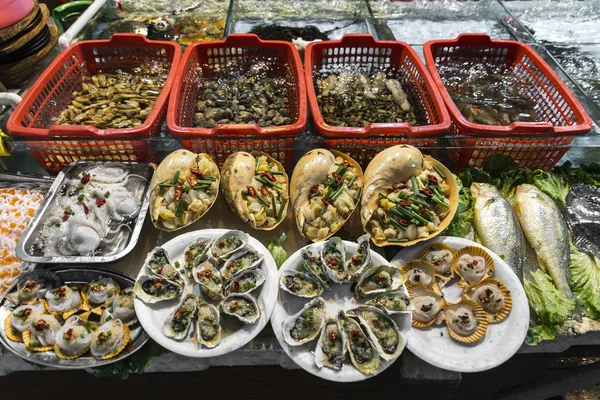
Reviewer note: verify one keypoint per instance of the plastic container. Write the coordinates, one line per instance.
(65, 15)
(364, 142)
(559, 113)
(59, 145)
(200, 59)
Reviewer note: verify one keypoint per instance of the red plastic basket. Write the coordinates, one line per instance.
(559, 113)
(200, 60)
(377, 55)
(51, 93)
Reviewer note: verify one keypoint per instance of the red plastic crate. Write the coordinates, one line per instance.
(200, 60)
(377, 55)
(51, 93)
(559, 113)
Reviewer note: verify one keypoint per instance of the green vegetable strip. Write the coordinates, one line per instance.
(245, 193)
(210, 178)
(418, 217)
(379, 218)
(276, 172)
(281, 210)
(399, 240)
(357, 195)
(268, 182)
(397, 224)
(179, 209)
(175, 178)
(415, 185)
(352, 181)
(274, 208)
(421, 185)
(439, 171)
(264, 202)
(166, 185)
(337, 193)
(440, 202)
(204, 181)
(418, 201)
(201, 187)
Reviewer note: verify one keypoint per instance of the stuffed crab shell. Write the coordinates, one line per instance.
(255, 187)
(408, 198)
(325, 189)
(184, 187)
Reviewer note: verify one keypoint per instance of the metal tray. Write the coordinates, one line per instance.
(76, 275)
(28, 251)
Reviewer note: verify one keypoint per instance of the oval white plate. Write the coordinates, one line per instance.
(339, 298)
(152, 316)
(501, 340)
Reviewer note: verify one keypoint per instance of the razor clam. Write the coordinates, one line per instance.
(363, 353)
(393, 303)
(196, 253)
(333, 257)
(300, 284)
(306, 324)
(331, 347)
(381, 329)
(158, 263)
(33, 286)
(379, 279)
(408, 197)
(311, 260)
(183, 188)
(209, 279)
(178, 324)
(153, 289)
(228, 244)
(208, 324)
(243, 260)
(361, 259)
(255, 187)
(324, 191)
(245, 281)
(242, 306)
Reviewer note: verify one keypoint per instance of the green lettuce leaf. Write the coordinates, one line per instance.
(589, 174)
(462, 222)
(585, 281)
(136, 364)
(550, 305)
(552, 184)
(277, 251)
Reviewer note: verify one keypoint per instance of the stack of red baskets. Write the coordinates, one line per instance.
(362, 50)
(199, 61)
(55, 146)
(534, 144)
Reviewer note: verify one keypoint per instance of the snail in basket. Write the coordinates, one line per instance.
(325, 189)
(255, 187)
(408, 197)
(184, 187)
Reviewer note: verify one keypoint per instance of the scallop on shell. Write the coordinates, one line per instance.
(306, 324)
(333, 257)
(242, 306)
(386, 170)
(209, 279)
(177, 325)
(442, 257)
(331, 348)
(466, 321)
(381, 329)
(313, 169)
(311, 259)
(473, 264)
(363, 353)
(238, 175)
(208, 324)
(420, 273)
(184, 168)
(379, 279)
(494, 297)
(154, 289)
(427, 306)
(300, 284)
(227, 244)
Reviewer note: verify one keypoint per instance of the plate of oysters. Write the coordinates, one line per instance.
(71, 318)
(470, 311)
(343, 312)
(206, 293)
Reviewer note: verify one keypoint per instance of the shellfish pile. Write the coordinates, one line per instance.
(258, 95)
(89, 211)
(367, 333)
(224, 272)
(350, 98)
(117, 99)
(70, 319)
(467, 306)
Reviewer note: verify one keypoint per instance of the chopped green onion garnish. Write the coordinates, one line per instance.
(268, 182)
(166, 185)
(337, 193)
(210, 178)
(106, 194)
(201, 187)
(204, 181)
(80, 198)
(179, 209)
(357, 195)
(419, 218)
(274, 208)
(263, 201)
(379, 218)
(415, 185)
(175, 178)
(276, 172)
(352, 181)
(399, 240)
(397, 224)
(245, 193)
(439, 171)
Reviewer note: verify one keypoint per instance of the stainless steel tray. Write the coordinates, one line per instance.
(28, 251)
(76, 275)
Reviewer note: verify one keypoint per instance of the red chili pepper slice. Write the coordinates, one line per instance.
(251, 191)
(269, 176)
(197, 173)
(314, 188)
(432, 179)
(100, 202)
(404, 203)
(401, 221)
(426, 192)
(86, 209)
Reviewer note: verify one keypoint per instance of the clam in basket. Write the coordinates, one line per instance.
(558, 115)
(359, 52)
(55, 146)
(231, 128)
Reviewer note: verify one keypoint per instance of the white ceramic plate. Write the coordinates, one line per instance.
(152, 316)
(501, 340)
(339, 298)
